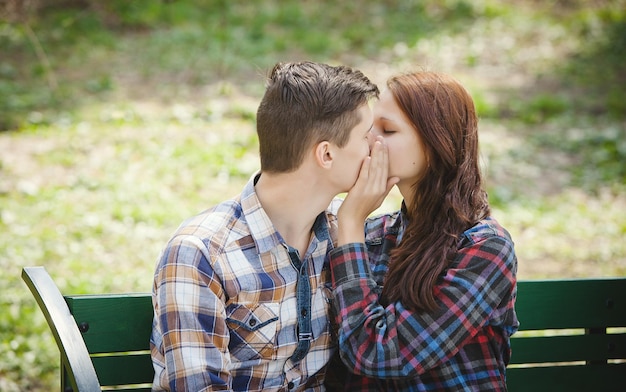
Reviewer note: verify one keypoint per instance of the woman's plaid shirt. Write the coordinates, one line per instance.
(464, 346)
(226, 314)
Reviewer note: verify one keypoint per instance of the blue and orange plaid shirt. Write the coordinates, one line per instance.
(464, 346)
(228, 308)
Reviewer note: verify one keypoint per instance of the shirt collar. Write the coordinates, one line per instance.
(261, 227)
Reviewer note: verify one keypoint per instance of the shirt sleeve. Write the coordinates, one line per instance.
(391, 341)
(190, 316)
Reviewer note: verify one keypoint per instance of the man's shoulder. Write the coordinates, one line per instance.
(221, 218)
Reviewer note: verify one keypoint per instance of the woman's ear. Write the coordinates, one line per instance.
(324, 155)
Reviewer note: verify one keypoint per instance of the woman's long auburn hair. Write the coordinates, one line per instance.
(448, 198)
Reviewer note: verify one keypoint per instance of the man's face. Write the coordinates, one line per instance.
(348, 159)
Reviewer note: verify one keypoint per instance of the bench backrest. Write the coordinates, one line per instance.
(572, 336)
(116, 330)
(104, 340)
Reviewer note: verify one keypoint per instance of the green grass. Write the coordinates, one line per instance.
(100, 202)
(136, 118)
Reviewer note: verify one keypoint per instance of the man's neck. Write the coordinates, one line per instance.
(293, 201)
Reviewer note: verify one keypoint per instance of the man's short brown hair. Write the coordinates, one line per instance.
(306, 103)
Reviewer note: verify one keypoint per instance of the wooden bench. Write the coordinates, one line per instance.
(104, 340)
(572, 336)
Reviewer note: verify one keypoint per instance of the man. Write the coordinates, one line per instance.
(239, 290)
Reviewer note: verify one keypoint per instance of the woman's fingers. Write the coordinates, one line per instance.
(379, 170)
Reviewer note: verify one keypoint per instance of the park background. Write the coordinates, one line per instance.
(120, 118)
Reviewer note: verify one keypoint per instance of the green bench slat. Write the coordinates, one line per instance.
(116, 322)
(609, 378)
(541, 349)
(585, 303)
(124, 369)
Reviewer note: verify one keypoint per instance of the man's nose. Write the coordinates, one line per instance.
(375, 131)
(371, 138)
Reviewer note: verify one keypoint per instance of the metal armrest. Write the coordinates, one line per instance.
(74, 353)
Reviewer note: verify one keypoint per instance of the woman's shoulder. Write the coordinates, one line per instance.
(486, 228)
(487, 240)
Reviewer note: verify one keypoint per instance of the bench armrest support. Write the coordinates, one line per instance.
(74, 353)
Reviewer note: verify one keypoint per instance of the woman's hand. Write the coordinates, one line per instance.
(367, 194)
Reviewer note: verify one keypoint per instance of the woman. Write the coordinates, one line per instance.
(426, 300)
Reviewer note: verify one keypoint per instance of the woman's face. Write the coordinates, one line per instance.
(407, 159)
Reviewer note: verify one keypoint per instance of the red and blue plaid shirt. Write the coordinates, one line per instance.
(463, 346)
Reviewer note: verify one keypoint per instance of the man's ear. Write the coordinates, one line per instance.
(324, 154)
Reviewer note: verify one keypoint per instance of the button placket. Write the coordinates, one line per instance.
(303, 301)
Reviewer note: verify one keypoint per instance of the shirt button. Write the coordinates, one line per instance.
(290, 385)
(303, 312)
(252, 322)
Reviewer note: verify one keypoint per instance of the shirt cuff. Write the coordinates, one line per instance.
(348, 262)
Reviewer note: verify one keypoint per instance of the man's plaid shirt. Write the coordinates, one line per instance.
(225, 303)
(464, 346)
